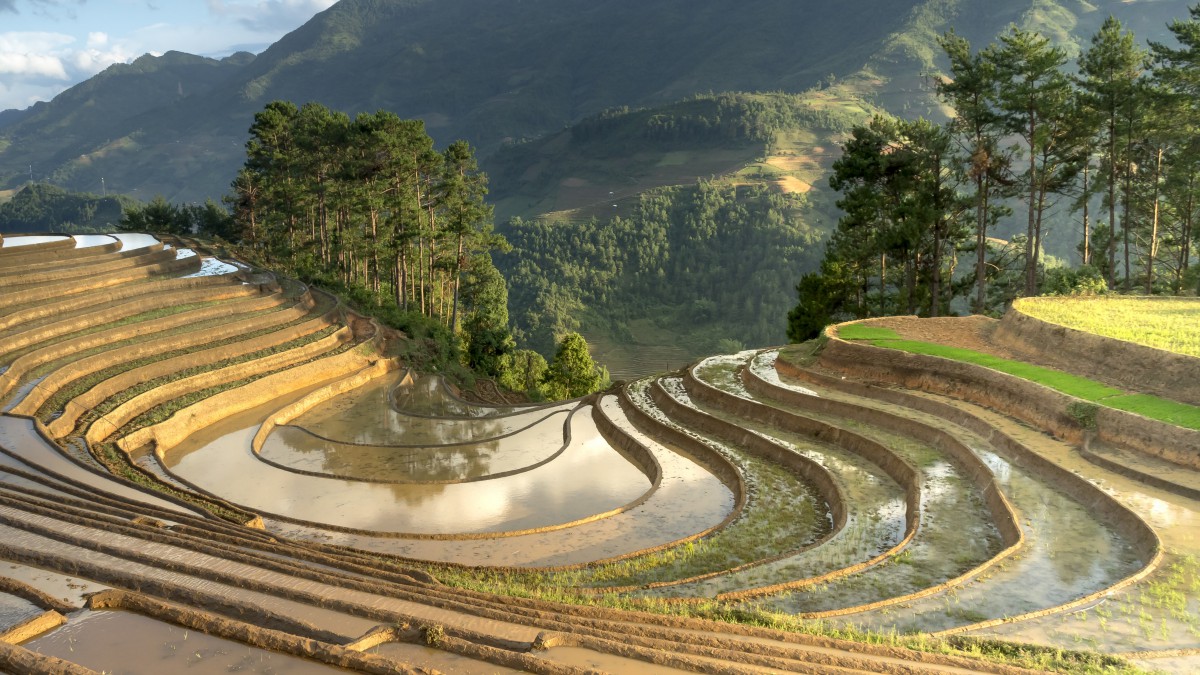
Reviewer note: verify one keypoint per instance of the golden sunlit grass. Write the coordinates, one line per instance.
(1172, 324)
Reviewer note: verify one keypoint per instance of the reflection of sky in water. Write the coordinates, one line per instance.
(133, 240)
(689, 500)
(90, 240)
(295, 448)
(9, 242)
(210, 267)
(588, 478)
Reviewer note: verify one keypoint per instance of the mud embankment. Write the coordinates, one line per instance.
(106, 295)
(63, 377)
(874, 363)
(57, 290)
(146, 256)
(1064, 416)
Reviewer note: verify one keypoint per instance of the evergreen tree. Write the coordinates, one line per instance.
(573, 373)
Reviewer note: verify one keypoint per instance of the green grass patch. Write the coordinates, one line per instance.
(1165, 410)
(858, 331)
(1153, 407)
(1079, 387)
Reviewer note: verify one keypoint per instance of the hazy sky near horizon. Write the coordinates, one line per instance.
(47, 46)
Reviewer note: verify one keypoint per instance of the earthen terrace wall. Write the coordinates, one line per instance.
(1121, 364)
(108, 424)
(70, 372)
(1027, 401)
(106, 295)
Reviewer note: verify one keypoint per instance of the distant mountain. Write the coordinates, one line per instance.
(485, 70)
(496, 71)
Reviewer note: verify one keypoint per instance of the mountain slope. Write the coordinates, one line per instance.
(484, 70)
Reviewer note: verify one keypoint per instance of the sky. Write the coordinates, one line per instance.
(47, 46)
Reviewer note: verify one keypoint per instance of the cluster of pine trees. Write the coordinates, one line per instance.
(1114, 145)
(366, 201)
(368, 207)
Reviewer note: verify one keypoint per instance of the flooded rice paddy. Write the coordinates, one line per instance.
(588, 477)
(29, 240)
(731, 488)
(126, 643)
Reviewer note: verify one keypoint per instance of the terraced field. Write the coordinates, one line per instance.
(204, 467)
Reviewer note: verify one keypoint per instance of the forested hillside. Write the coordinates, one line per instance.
(46, 208)
(486, 71)
(652, 211)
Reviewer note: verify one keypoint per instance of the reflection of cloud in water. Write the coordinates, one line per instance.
(90, 240)
(134, 240)
(588, 478)
(9, 242)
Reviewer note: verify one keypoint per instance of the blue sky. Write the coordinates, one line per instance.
(48, 45)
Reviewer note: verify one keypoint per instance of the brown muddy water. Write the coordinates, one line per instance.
(588, 478)
(14, 610)
(69, 589)
(125, 643)
(421, 656)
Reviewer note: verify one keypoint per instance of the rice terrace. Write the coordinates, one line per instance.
(205, 467)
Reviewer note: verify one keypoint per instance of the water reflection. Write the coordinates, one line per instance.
(134, 240)
(9, 242)
(373, 415)
(429, 396)
(491, 454)
(589, 477)
(90, 240)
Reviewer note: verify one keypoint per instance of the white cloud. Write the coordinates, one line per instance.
(35, 65)
(33, 56)
(31, 66)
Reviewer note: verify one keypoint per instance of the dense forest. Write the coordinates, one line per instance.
(1115, 140)
(39, 207)
(676, 255)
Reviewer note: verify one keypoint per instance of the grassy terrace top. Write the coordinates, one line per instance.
(1161, 409)
(1171, 324)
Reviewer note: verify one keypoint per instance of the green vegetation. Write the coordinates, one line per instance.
(40, 207)
(1119, 135)
(672, 258)
(1163, 323)
(1153, 407)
